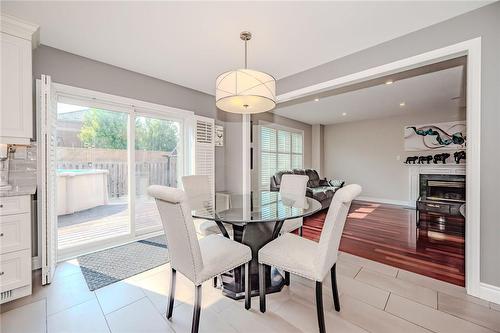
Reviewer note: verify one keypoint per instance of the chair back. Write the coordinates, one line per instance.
(183, 246)
(198, 191)
(294, 185)
(329, 241)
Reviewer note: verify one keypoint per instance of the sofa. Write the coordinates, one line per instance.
(320, 189)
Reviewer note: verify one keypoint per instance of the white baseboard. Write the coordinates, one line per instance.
(385, 201)
(489, 292)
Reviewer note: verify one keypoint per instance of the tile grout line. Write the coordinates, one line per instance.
(467, 320)
(443, 312)
(387, 301)
(407, 320)
(357, 273)
(102, 311)
(121, 307)
(69, 307)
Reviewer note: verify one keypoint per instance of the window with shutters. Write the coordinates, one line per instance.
(280, 149)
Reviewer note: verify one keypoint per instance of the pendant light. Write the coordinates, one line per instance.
(245, 91)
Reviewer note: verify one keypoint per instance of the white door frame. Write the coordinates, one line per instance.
(471, 48)
(133, 108)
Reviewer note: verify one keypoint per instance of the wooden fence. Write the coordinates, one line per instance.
(163, 172)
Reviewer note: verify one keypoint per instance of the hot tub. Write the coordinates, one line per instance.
(81, 189)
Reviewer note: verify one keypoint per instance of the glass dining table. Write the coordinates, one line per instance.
(256, 219)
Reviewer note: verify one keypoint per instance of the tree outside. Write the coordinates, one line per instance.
(108, 130)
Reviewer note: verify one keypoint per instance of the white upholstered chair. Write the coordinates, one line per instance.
(309, 259)
(198, 191)
(198, 260)
(295, 186)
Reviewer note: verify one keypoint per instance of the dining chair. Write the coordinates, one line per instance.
(198, 260)
(198, 191)
(294, 185)
(310, 259)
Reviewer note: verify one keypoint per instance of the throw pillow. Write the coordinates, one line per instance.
(337, 182)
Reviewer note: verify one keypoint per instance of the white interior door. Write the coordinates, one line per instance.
(47, 141)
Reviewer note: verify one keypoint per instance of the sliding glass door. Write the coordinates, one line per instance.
(92, 174)
(107, 155)
(158, 161)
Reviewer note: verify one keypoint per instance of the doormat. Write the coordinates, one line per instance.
(112, 265)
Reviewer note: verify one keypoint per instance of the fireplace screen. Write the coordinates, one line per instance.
(447, 190)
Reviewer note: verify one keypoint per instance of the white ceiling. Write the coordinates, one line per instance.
(436, 91)
(190, 43)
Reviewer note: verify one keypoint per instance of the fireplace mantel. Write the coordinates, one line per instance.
(415, 170)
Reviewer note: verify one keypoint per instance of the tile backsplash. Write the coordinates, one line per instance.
(23, 165)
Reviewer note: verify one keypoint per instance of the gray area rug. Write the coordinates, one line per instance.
(108, 266)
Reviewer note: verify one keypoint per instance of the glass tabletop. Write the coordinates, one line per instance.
(264, 206)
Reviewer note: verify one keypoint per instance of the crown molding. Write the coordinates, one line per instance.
(23, 29)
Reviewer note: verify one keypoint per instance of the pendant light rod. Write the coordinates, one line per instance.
(245, 36)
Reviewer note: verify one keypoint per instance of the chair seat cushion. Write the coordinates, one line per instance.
(291, 253)
(220, 255)
(291, 225)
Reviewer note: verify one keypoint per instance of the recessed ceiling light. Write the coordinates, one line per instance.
(402, 104)
(316, 99)
(389, 82)
(344, 114)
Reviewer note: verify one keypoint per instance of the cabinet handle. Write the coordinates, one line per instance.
(1, 273)
(435, 206)
(1, 206)
(1, 234)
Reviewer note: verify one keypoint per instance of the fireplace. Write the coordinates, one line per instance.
(441, 202)
(443, 187)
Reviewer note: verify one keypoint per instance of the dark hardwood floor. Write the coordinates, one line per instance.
(387, 234)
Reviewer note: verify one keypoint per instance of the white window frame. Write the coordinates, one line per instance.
(258, 150)
(133, 108)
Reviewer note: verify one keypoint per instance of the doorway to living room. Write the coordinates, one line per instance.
(470, 49)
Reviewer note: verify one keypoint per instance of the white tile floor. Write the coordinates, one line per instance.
(374, 298)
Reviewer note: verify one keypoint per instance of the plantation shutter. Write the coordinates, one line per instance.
(279, 150)
(47, 140)
(204, 163)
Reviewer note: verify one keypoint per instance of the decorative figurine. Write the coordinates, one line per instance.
(441, 157)
(459, 155)
(411, 159)
(423, 159)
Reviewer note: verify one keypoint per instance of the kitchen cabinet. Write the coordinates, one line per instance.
(16, 108)
(15, 247)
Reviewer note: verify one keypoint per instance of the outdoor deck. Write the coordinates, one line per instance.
(104, 222)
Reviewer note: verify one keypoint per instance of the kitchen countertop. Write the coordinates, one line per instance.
(19, 190)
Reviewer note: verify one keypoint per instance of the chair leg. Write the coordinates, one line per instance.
(262, 287)
(319, 307)
(300, 231)
(197, 310)
(171, 296)
(287, 278)
(335, 291)
(248, 287)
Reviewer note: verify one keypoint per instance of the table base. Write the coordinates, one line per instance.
(255, 235)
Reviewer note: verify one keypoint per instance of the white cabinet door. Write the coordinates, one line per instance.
(15, 232)
(15, 270)
(16, 111)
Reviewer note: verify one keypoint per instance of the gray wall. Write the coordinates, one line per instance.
(485, 23)
(77, 71)
(369, 156)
